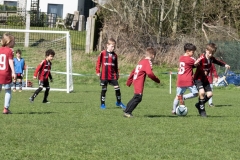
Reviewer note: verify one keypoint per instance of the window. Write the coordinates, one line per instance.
(55, 9)
(10, 3)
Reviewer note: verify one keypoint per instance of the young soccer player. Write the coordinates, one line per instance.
(7, 71)
(212, 77)
(137, 78)
(185, 76)
(107, 69)
(19, 66)
(43, 73)
(201, 76)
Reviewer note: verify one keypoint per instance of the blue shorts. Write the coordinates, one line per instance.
(6, 86)
(182, 90)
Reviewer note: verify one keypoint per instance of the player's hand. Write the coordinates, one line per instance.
(34, 77)
(227, 66)
(14, 76)
(22, 75)
(98, 74)
(51, 80)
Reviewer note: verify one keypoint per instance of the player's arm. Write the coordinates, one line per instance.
(150, 74)
(130, 78)
(98, 64)
(196, 63)
(10, 61)
(50, 77)
(116, 68)
(39, 67)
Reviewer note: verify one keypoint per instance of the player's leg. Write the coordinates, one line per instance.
(7, 99)
(118, 94)
(132, 104)
(178, 98)
(210, 101)
(200, 105)
(40, 88)
(46, 93)
(103, 83)
(20, 83)
(14, 84)
(193, 93)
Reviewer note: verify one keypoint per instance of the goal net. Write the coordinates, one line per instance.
(33, 44)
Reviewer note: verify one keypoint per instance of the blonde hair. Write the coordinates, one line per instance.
(211, 47)
(8, 40)
(150, 51)
(111, 41)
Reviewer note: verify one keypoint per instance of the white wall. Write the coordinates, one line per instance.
(69, 6)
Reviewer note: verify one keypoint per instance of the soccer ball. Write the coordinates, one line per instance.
(181, 110)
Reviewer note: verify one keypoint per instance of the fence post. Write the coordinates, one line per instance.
(81, 23)
(90, 28)
(26, 43)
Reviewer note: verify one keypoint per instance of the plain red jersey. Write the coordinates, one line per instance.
(185, 71)
(212, 73)
(204, 67)
(43, 70)
(5, 70)
(138, 75)
(107, 65)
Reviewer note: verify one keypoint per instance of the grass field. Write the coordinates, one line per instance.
(73, 127)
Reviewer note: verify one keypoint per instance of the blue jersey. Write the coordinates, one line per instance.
(18, 65)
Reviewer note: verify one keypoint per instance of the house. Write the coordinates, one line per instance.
(58, 7)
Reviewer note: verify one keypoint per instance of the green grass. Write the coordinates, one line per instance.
(74, 127)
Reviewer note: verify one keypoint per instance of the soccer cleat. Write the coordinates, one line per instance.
(20, 89)
(121, 105)
(211, 105)
(103, 106)
(6, 111)
(198, 107)
(31, 99)
(14, 89)
(127, 115)
(45, 101)
(203, 113)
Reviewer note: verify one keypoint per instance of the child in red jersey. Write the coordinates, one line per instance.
(108, 63)
(185, 76)
(201, 76)
(137, 78)
(43, 73)
(7, 71)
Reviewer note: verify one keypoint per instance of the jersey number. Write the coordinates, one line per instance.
(136, 71)
(181, 68)
(2, 61)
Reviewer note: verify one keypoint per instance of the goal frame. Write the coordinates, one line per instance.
(69, 87)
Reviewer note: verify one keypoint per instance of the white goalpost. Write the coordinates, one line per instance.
(33, 44)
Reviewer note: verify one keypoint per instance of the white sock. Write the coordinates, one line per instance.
(8, 97)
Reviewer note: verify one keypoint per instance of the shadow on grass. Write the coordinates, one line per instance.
(35, 112)
(67, 102)
(223, 105)
(158, 116)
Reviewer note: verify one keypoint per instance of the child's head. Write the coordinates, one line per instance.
(8, 40)
(189, 49)
(211, 49)
(111, 45)
(18, 53)
(49, 54)
(150, 53)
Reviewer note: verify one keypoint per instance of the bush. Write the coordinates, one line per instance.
(15, 20)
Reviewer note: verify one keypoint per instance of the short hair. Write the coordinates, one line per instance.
(150, 51)
(8, 40)
(212, 47)
(111, 41)
(49, 52)
(190, 47)
(19, 51)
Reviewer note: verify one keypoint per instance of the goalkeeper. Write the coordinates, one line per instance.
(43, 73)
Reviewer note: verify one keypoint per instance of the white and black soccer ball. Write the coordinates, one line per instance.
(181, 110)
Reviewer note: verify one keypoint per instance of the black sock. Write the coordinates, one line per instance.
(37, 92)
(46, 94)
(201, 104)
(103, 95)
(206, 98)
(118, 94)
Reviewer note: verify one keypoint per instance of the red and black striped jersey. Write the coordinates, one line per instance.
(204, 67)
(43, 70)
(107, 65)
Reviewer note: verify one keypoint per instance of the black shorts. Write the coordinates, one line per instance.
(205, 85)
(44, 83)
(19, 76)
(111, 82)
